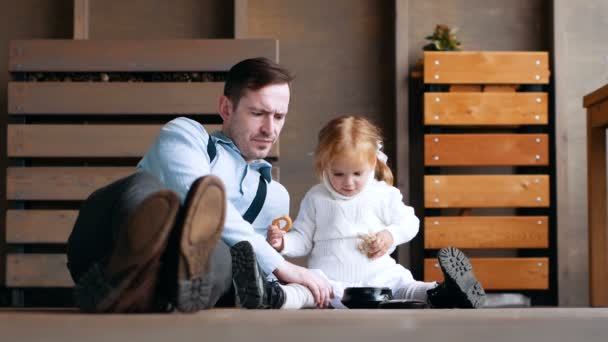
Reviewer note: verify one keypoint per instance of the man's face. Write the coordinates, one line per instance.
(255, 124)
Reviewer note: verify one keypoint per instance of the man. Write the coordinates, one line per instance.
(152, 240)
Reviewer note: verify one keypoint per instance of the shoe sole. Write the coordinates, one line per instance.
(139, 266)
(248, 282)
(201, 230)
(458, 271)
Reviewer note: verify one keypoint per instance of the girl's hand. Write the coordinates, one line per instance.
(274, 236)
(384, 241)
(319, 286)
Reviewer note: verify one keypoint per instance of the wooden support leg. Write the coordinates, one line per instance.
(598, 241)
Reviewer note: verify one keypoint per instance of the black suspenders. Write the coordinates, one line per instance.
(260, 196)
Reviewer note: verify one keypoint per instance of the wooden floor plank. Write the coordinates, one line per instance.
(496, 325)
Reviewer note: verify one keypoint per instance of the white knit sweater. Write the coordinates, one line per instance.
(328, 226)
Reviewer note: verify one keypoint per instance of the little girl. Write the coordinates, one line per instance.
(354, 219)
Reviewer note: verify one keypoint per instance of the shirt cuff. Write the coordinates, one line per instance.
(267, 257)
(287, 242)
(397, 237)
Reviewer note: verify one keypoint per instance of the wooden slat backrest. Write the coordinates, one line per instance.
(487, 67)
(53, 226)
(486, 191)
(62, 183)
(59, 183)
(116, 98)
(37, 270)
(116, 140)
(486, 149)
(485, 109)
(67, 138)
(501, 273)
(483, 232)
(39, 226)
(136, 55)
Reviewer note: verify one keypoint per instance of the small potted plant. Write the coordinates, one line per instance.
(442, 39)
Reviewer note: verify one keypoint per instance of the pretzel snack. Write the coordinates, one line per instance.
(286, 219)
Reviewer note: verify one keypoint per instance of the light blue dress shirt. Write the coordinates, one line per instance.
(179, 156)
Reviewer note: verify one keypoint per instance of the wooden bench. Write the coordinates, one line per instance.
(479, 134)
(67, 138)
(597, 123)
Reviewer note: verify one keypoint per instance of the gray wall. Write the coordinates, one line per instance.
(483, 24)
(160, 19)
(580, 52)
(342, 55)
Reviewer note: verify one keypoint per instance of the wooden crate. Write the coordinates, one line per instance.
(484, 110)
(67, 139)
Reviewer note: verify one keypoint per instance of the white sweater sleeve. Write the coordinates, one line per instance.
(401, 221)
(298, 241)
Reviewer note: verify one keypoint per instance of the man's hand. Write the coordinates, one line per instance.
(274, 236)
(384, 241)
(318, 286)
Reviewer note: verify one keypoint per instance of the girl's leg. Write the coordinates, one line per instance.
(297, 297)
(414, 291)
(402, 283)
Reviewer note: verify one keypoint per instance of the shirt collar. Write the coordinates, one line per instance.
(220, 137)
(261, 165)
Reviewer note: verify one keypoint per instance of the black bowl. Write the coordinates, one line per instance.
(365, 297)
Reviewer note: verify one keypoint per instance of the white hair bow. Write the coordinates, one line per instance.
(381, 156)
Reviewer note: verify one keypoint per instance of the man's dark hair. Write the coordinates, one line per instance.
(253, 74)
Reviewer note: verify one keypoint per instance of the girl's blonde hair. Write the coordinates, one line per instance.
(351, 136)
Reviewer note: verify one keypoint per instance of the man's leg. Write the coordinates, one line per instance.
(187, 264)
(208, 271)
(114, 251)
(198, 259)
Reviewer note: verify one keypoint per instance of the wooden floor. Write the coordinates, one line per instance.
(543, 324)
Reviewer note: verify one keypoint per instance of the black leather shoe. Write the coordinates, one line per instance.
(252, 290)
(460, 288)
(246, 277)
(274, 297)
